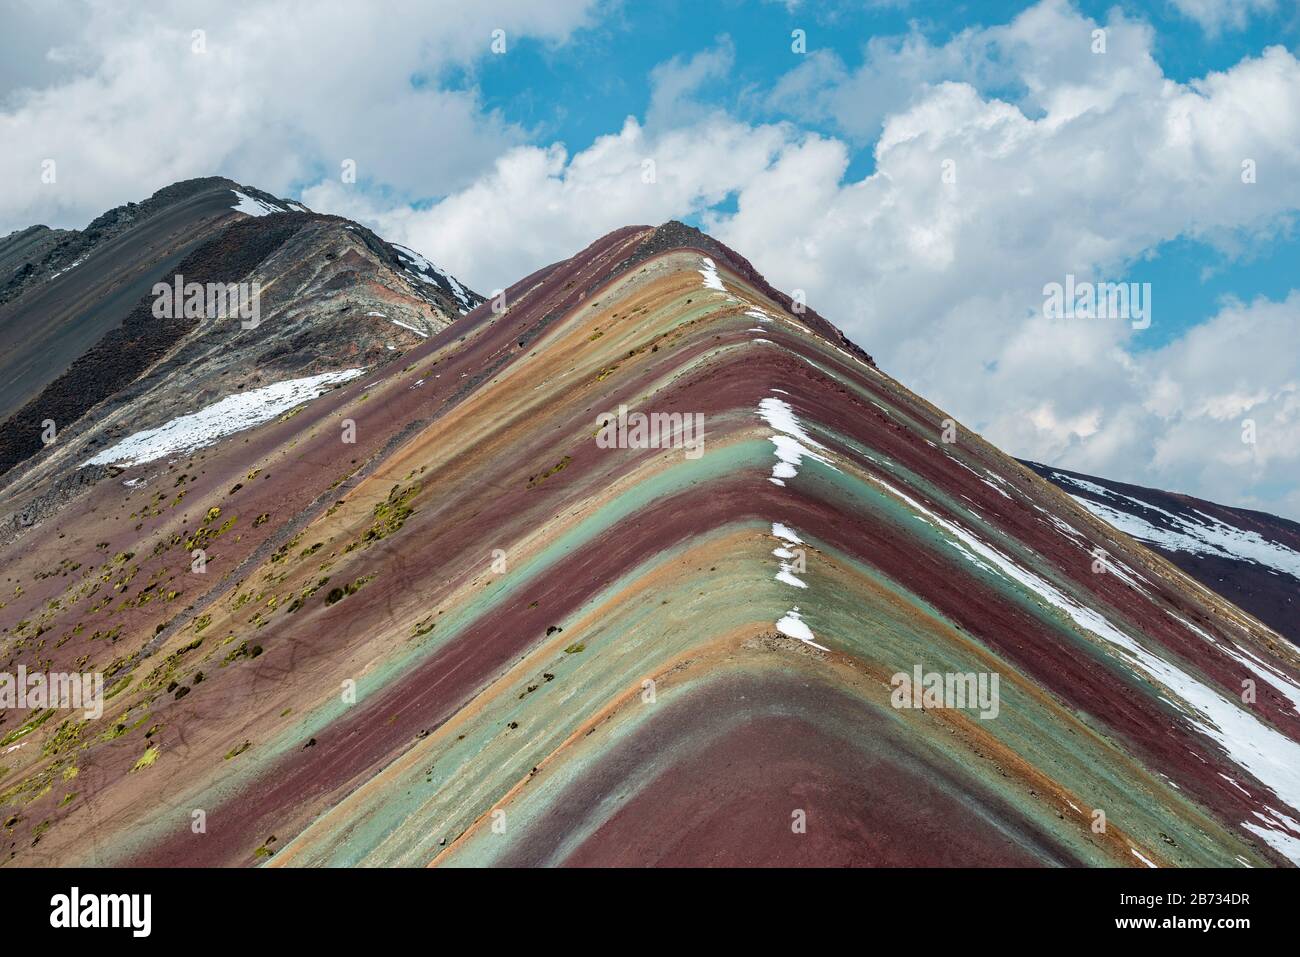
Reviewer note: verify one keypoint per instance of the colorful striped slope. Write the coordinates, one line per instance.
(497, 629)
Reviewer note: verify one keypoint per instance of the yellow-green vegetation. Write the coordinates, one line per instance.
(205, 534)
(305, 594)
(559, 466)
(237, 751)
(338, 594)
(164, 674)
(66, 736)
(243, 651)
(34, 721)
(122, 728)
(147, 759)
(390, 515)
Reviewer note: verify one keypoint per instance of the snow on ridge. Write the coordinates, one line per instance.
(792, 441)
(792, 626)
(1082, 483)
(1198, 538)
(1267, 754)
(710, 273)
(253, 206)
(423, 267)
(234, 413)
(67, 268)
(786, 534)
(787, 537)
(398, 322)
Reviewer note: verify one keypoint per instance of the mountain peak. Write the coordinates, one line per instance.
(331, 294)
(649, 530)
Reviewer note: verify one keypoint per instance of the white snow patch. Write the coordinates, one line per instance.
(1140, 857)
(253, 206)
(234, 413)
(710, 273)
(67, 268)
(786, 534)
(793, 626)
(398, 322)
(1081, 483)
(1288, 845)
(792, 444)
(788, 577)
(1211, 538)
(1234, 784)
(1268, 755)
(786, 573)
(1265, 671)
(419, 332)
(424, 267)
(996, 489)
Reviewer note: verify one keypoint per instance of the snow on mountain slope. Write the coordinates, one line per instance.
(1250, 558)
(426, 272)
(234, 413)
(90, 353)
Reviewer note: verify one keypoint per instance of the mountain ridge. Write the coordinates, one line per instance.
(1250, 557)
(474, 635)
(341, 302)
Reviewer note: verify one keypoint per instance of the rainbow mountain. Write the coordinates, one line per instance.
(463, 607)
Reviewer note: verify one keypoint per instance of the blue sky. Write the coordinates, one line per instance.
(823, 168)
(584, 89)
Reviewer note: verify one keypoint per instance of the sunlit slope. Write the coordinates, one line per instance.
(503, 643)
